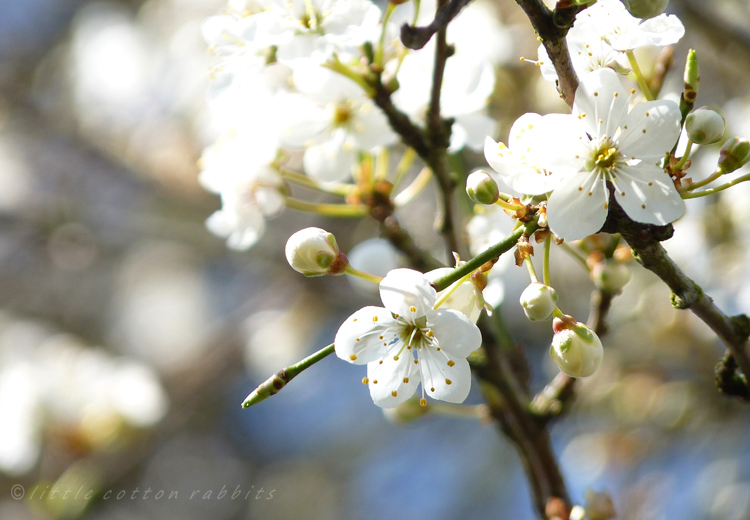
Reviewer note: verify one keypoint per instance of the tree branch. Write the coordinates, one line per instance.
(552, 26)
(417, 37)
(644, 240)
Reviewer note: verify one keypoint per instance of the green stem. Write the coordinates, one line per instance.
(532, 271)
(411, 191)
(639, 76)
(329, 210)
(505, 205)
(334, 188)
(567, 247)
(708, 180)
(337, 66)
(685, 156)
(479, 411)
(381, 44)
(276, 382)
(711, 191)
(545, 265)
(485, 256)
(455, 286)
(361, 274)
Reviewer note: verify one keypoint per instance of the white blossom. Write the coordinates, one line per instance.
(605, 143)
(409, 342)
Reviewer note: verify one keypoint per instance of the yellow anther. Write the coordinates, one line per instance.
(448, 382)
(432, 389)
(381, 337)
(374, 381)
(365, 380)
(374, 318)
(394, 393)
(406, 380)
(353, 357)
(423, 402)
(395, 358)
(416, 361)
(451, 363)
(413, 308)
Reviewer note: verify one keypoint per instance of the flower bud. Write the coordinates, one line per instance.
(692, 80)
(538, 301)
(704, 126)
(482, 188)
(610, 275)
(645, 8)
(575, 348)
(313, 252)
(734, 154)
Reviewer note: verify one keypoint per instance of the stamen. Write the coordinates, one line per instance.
(365, 380)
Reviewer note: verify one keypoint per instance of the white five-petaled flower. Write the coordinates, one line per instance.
(608, 144)
(408, 342)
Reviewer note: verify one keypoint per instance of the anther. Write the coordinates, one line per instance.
(406, 380)
(353, 357)
(365, 380)
(394, 393)
(448, 381)
(423, 402)
(451, 363)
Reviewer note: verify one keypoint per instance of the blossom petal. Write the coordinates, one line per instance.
(665, 29)
(407, 293)
(650, 130)
(578, 207)
(444, 381)
(365, 335)
(648, 195)
(601, 102)
(330, 161)
(454, 332)
(392, 381)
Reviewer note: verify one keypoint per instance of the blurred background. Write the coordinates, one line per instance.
(129, 335)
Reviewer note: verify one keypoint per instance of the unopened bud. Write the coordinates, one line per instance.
(692, 80)
(645, 8)
(575, 348)
(314, 252)
(734, 154)
(482, 188)
(539, 301)
(705, 126)
(610, 275)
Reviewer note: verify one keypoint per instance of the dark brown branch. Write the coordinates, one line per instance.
(508, 401)
(552, 26)
(417, 37)
(644, 239)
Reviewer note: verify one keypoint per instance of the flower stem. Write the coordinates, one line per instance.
(329, 210)
(685, 156)
(567, 247)
(488, 254)
(708, 180)
(506, 205)
(711, 191)
(545, 265)
(639, 76)
(276, 382)
(455, 286)
(403, 165)
(411, 191)
(361, 274)
(336, 66)
(334, 188)
(381, 44)
(532, 271)
(480, 411)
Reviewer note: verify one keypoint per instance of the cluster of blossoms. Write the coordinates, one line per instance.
(281, 98)
(296, 102)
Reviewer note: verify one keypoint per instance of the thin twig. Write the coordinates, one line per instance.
(417, 37)
(552, 26)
